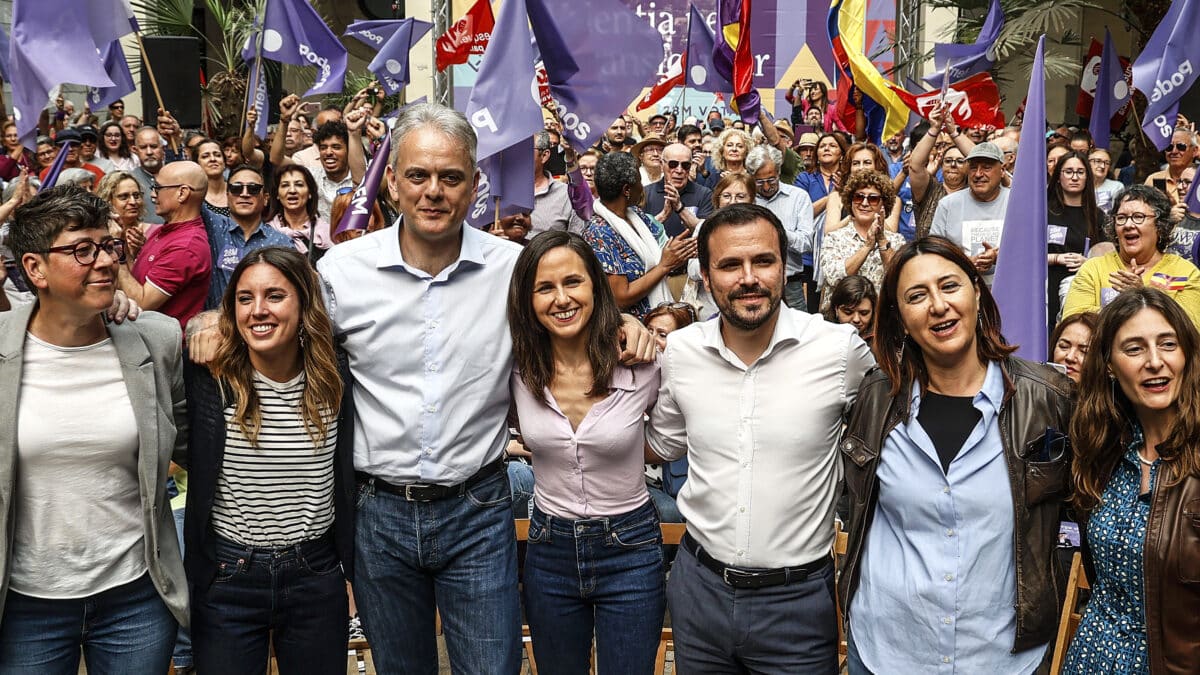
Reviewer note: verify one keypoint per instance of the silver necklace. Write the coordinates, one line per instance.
(1143, 460)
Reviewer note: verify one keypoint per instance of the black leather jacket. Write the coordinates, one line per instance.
(1036, 398)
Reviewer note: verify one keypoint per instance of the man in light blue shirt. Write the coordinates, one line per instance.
(937, 583)
(230, 239)
(793, 207)
(420, 309)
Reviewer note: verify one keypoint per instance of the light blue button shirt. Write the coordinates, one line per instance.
(793, 207)
(430, 356)
(937, 590)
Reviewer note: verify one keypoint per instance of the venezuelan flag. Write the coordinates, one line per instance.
(885, 111)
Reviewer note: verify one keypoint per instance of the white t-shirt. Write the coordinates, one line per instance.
(78, 508)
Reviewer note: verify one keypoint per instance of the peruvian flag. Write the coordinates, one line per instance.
(674, 78)
(469, 35)
(974, 102)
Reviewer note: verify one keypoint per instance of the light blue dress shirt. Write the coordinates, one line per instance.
(937, 587)
(430, 356)
(794, 209)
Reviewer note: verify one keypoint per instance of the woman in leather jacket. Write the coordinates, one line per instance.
(957, 463)
(1137, 490)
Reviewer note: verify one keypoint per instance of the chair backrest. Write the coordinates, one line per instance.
(1072, 613)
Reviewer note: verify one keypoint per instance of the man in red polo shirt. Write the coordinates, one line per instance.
(172, 269)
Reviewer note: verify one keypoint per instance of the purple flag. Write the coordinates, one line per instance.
(1112, 91)
(294, 33)
(1021, 273)
(259, 99)
(504, 107)
(393, 40)
(53, 44)
(117, 69)
(57, 167)
(358, 214)
(1164, 70)
(507, 176)
(702, 75)
(598, 55)
(963, 61)
(1192, 200)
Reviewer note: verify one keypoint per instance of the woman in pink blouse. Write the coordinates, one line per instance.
(594, 563)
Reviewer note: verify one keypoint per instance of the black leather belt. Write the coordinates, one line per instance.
(738, 577)
(427, 492)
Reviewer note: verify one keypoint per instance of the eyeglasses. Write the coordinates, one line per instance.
(252, 189)
(1074, 173)
(1099, 162)
(766, 182)
(869, 199)
(587, 169)
(46, 153)
(1184, 184)
(734, 197)
(155, 187)
(1136, 218)
(949, 161)
(677, 163)
(129, 196)
(87, 251)
(1178, 147)
(679, 305)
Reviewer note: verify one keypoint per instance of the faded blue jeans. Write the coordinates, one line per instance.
(456, 555)
(127, 629)
(600, 575)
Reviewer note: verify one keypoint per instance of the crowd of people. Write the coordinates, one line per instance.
(297, 436)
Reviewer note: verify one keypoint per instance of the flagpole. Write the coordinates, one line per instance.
(153, 82)
(256, 74)
(496, 225)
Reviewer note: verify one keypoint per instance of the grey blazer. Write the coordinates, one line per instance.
(150, 352)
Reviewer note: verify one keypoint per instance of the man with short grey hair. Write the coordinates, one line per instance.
(794, 209)
(974, 218)
(552, 208)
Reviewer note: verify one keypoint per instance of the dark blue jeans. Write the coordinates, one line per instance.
(603, 576)
(456, 555)
(126, 629)
(299, 592)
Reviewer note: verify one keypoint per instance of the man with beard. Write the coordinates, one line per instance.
(614, 139)
(974, 218)
(150, 151)
(750, 589)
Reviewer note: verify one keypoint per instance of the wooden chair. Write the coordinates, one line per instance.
(1072, 613)
(840, 541)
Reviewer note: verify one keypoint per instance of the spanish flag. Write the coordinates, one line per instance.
(886, 113)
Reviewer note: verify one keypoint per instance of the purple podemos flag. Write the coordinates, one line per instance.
(118, 70)
(599, 56)
(507, 177)
(358, 214)
(1167, 67)
(1020, 283)
(392, 40)
(294, 33)
(701, 73)
(1112, 91)
(960, 61)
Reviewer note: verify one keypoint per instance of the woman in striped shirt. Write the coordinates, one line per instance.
(270, 514)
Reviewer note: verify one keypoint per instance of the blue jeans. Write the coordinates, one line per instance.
(126, 629)
(182, 656)
(520, 479)
(457, 555)
(298, 591)
(664, 504)
(603, 576)
(854, 664)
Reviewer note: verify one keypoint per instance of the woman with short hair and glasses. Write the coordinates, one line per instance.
(95, 412)
(867, 245)
(1074, 226)
(1141, 227)
(124, 195)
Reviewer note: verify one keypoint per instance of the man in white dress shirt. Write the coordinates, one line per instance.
(755, 399)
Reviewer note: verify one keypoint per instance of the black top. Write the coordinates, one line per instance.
(948, 420)
(1072, 218)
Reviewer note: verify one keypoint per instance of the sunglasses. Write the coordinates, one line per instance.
(1178, 147)
(677, 163)
(679, 305)
(869, 199)
(252, 189)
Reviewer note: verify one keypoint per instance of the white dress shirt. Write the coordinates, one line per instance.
(761, 439)
(430, 356)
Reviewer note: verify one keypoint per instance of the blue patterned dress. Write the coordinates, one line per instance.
(616, 256)
(1112, 633)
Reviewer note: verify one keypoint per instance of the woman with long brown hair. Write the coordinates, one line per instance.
(1075, 225)
(956, 464)
(581, 415)
(1137, 490)
(270, 522)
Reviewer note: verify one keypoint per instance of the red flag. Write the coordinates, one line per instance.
(674, 78)
(543, 82)
(973, 102)
(1087, 84)
(469, 35)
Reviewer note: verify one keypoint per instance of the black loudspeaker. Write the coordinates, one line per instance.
(176, 64)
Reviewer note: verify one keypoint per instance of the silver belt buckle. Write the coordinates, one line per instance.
(408, 495)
